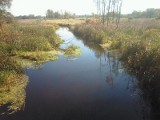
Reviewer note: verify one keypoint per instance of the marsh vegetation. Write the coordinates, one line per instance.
(23, 46)
(137, 42)
(108, 49)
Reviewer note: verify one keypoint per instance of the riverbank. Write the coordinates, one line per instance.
(22, 46)
(139, 48)
(138, 45)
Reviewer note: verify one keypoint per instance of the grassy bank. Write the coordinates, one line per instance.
(21, 46)
(139, 44)
(129, 39)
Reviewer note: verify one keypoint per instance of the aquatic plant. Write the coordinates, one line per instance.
(72, 50)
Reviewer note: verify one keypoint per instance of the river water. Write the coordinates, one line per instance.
(92, 86)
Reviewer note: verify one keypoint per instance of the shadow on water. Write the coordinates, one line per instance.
(148, 87)
(92, 86)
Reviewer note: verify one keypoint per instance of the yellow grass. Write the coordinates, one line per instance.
(53, 21)
(65, 21)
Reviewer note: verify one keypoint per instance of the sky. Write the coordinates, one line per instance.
(79, 7)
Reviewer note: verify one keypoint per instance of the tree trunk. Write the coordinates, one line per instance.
(109, 6)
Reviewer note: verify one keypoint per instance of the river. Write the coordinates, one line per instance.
(92, 86)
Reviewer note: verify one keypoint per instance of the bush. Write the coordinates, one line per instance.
(34, 37)
(90, 33)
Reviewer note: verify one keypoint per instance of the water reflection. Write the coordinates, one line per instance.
(143, 82)
(107, 59)
(93, 86)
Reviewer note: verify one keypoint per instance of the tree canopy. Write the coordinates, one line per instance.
(5, 4)
(149, 13)
(59, 15)
(4, 15)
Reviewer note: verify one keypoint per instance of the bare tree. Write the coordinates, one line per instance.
(109, 9)
(103, 11)
(5, 17)
(98, 5)
(113, 8)
(119, 7)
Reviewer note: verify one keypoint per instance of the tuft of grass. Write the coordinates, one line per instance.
(72, 51)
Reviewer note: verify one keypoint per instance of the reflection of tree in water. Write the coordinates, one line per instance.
(146, 84)
(108, 59)
(113, 64)
(109, 78)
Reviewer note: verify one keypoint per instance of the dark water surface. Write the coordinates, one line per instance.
(93, 86)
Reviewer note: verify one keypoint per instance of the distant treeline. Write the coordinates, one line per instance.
(149, 13)
(50, 14)
(31, 16)
(59, 15)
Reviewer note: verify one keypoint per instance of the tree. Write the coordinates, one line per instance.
(113, 8)
(5, 4)
(109, 6)
(4, 15)
(149, 13)
(101, 9)
(109, 9)
(57, 15)
(104, 5)
(119, 7)
(67, 15)
(49, 13)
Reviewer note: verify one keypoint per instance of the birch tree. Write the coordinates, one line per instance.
(109, 10)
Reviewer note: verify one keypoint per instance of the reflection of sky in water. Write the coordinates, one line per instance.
(70, 39)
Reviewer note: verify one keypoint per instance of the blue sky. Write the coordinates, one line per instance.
(39, 7)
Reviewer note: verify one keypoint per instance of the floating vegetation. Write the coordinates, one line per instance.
(39, 56)
(72, 51)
